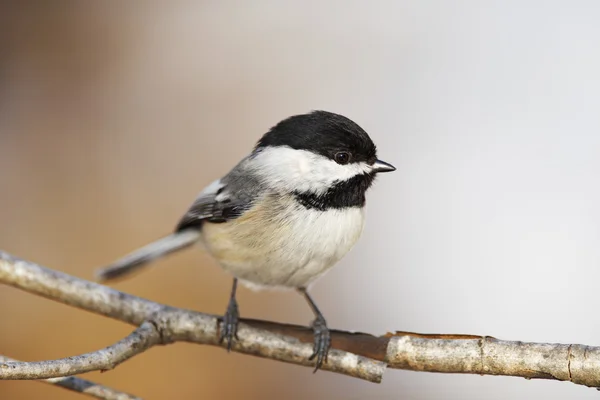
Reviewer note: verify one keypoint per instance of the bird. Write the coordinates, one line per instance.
(282, 217)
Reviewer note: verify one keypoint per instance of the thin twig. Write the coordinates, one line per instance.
(83, 386)
(105, 359)
(356, 354)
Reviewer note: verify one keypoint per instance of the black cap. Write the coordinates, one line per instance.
(323, 133)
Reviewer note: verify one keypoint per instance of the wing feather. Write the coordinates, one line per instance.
(215, 204)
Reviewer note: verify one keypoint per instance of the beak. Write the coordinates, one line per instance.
(382, 166)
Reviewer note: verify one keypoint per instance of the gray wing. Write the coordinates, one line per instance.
(222, 201)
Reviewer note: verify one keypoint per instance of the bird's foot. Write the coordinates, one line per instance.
(229, 324)
(322, 342)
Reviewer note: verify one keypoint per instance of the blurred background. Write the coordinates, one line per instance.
(113, 115)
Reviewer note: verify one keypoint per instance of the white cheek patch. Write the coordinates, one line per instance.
(301, 170)
(303, 166)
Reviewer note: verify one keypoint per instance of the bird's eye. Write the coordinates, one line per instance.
(342, 157)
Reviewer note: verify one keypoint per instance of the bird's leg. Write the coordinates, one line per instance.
(230, 319)
(322, 335)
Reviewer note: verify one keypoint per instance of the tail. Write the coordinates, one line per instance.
(141, 257)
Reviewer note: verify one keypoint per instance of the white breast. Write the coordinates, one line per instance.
(283, 244)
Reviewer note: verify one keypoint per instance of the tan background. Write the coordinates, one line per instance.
(113, 117)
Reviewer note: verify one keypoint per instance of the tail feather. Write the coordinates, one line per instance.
(140, 258)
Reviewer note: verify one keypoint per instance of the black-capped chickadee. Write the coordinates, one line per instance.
(281, 217)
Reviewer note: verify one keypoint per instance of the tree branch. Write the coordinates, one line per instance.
(83, 386)
(355, 354)
(175, 324)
